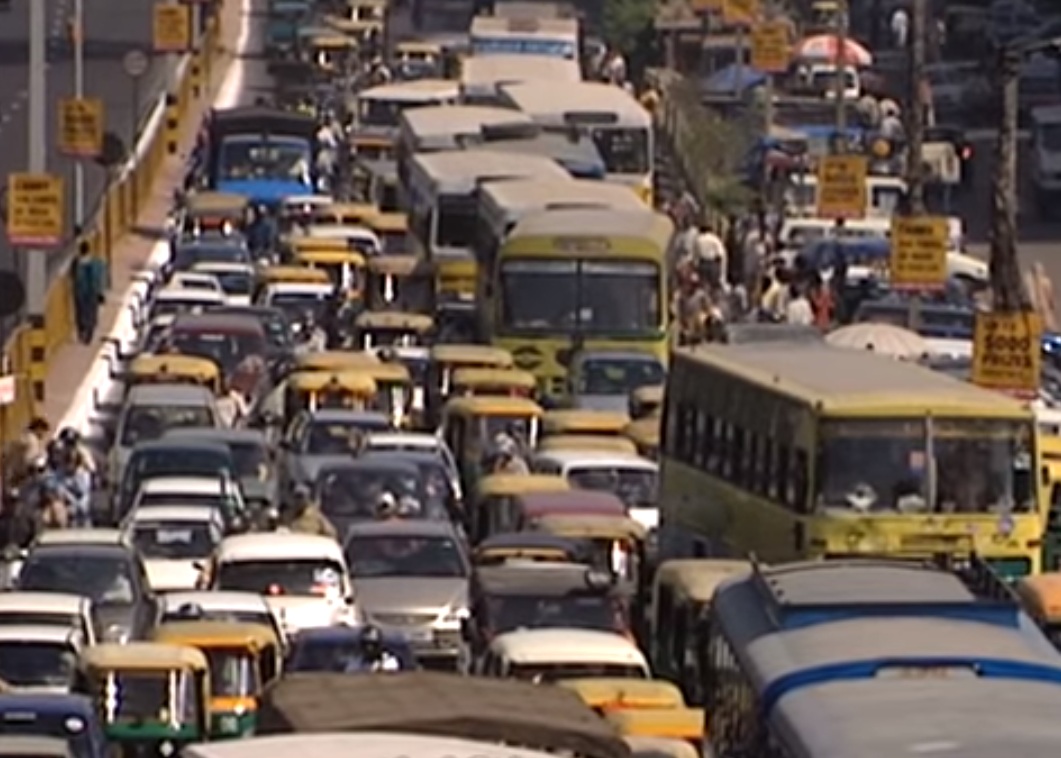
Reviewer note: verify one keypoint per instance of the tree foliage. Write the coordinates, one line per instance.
(626, 23)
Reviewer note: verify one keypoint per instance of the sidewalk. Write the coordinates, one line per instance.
(73, 361)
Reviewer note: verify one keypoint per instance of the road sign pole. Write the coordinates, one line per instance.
(37, 260)
(79, 93)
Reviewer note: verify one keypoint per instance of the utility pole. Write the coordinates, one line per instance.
(1007, 285)
(36, 261)
(915, 113)
(79, 93)
(840, 82)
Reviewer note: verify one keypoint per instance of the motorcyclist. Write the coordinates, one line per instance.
(304, 516)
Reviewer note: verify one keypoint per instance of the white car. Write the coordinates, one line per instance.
(39, 658)
(236, 280)
(174, 300)
(209, 605)
(418, 442)
(174, 542)
(304, 578)
(219, 494)
(295, 297)
(561, 653)
(196, 280)
(59, 609)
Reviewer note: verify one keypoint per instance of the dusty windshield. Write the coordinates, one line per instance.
(378, 557)
(624, 151)
(618, 376)
(948, 466)
(255, 160)
(175, 540)
(36, 664)
(600, 612)
(145, 423)
(634, 486)
(146, 698)
(582, 296)
(290, 577)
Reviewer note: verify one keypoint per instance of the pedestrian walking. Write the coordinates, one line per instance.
(89, 277)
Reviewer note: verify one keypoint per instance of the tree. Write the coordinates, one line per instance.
(627, 24)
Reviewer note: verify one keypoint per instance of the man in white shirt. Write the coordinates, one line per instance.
(900, 27)
(799, 311)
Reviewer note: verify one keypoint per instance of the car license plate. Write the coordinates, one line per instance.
(420, 635)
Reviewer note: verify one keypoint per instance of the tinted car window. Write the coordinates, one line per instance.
(103, 578)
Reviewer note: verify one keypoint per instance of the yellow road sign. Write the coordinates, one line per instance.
(740, 12)
(172, 28)
(770, 47)
(919, 252)
(81, 127)
(842, 186)
(1007, 352)
(35, 210)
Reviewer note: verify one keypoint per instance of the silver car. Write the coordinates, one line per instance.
(411, 577)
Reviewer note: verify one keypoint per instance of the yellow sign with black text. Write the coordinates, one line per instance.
(81, 127)
(770, 47)
(842, 186)
(35, 210)
(919, 253)
(1007, 352)
(172, 28)
(740, 12)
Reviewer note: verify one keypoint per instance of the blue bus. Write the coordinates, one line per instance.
(875, 658)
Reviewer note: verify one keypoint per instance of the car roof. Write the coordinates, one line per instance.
(168, 394)
(415, 457)
(183, 485)
(222, 322)
(28, 600)
(402, 528)
(96, 537)
(65, 550)
(221, 435)
(274, 546)
(412, 439)
(596, 458)
(40, 633)
(563, 645)
(343, 415)
(189, 513)
(169, 443)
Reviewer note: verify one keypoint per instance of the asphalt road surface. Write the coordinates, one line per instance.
(111, 28)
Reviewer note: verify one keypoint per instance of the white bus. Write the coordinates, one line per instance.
(481, 77)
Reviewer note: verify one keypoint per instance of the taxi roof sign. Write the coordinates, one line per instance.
(35, 210)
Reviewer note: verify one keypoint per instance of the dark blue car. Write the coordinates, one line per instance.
(69, 717)
(337, 649)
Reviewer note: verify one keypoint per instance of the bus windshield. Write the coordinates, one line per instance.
(580, 295)
(245, 158)
(913, 466)
(624, 151)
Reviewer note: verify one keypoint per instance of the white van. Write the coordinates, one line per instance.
(548, 655)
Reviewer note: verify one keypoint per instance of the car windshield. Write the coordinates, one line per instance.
(634, 486)
(226, 349)
(355, 493)
(103, 579)
(41, 618)
(148, 698)
(509, 612)
(378, 556)
(163, 499)
(970, 466)
(338, 437)
(618, 376)
(233, 673)
(554, 672)
(175, 540)
(25, 663)
(50, 721)
(189, 255)
(337, 656)
(251, 458)
(298, 306)
(281, 577)
(235, 282)
(144, 423)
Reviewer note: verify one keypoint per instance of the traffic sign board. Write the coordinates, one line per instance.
(770, 47)
(1007, 352)
(135, 63)
(740, 12)
(172, 28)
(81, 127)
(919, 252)
(842, 186)
(35, 210)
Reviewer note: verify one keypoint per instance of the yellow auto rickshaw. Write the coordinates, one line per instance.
(604, 694)
(646, 401)
(243, 659)
(605, 423)
(350, 389)
(618, 542)
(177, 712)
(672, 723)
(332, 52)
(589, 442)
(394, 390)
(445, 359)
(376, 176)
(344, 214)
(376, 329)
(271, 275)
(345, 268)
(334, 360)
(645, 433)
(214, 211)
(514, 382)
(400, 280)
(471, 424)
(534, 547)
(356, 28)
(680, 603)
(421, 53)
(173, 368)
(495, 495)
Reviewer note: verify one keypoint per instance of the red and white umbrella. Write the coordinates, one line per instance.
(826, 47)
